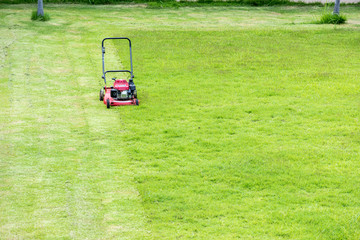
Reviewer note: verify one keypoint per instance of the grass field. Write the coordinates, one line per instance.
(248, 126)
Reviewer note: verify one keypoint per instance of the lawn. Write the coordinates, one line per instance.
(248, 124)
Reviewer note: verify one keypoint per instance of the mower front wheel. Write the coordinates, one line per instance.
(136, 102)
(107, 103)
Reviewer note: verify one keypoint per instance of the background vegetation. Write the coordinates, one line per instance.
(247, 127)
(171, 3)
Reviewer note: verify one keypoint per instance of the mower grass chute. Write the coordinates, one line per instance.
(123, 92)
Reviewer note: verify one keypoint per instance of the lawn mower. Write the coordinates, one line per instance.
(122, 92)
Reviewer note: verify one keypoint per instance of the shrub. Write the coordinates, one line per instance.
(329, 18)
(35, 16)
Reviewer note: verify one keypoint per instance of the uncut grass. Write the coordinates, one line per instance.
(332, 19)
(241, 131)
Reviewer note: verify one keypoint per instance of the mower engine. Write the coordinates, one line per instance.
(122, 90)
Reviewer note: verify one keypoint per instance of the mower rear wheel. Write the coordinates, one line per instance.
(107, 103)
(102, 94)
(136, 102)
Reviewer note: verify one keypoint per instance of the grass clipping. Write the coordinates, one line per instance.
(36, 17)
(329, 18)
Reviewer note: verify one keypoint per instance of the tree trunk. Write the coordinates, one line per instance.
(40, 10)
(337, 7)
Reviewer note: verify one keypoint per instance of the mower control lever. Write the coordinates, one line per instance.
(114, 78)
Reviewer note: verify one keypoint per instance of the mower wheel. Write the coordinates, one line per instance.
(107, 103)
(136, 102)
(102, 94)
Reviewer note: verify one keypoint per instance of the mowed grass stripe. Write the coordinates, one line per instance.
(65, 177)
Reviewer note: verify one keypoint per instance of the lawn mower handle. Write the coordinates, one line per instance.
(132, 76)
(103, 59)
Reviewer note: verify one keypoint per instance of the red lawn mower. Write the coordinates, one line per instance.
(123, 92)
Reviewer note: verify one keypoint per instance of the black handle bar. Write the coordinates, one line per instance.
(102, 43)
(132, 76)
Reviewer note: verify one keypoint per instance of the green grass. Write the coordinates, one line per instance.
(329, 18)
(35, 16)
(247, 126)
